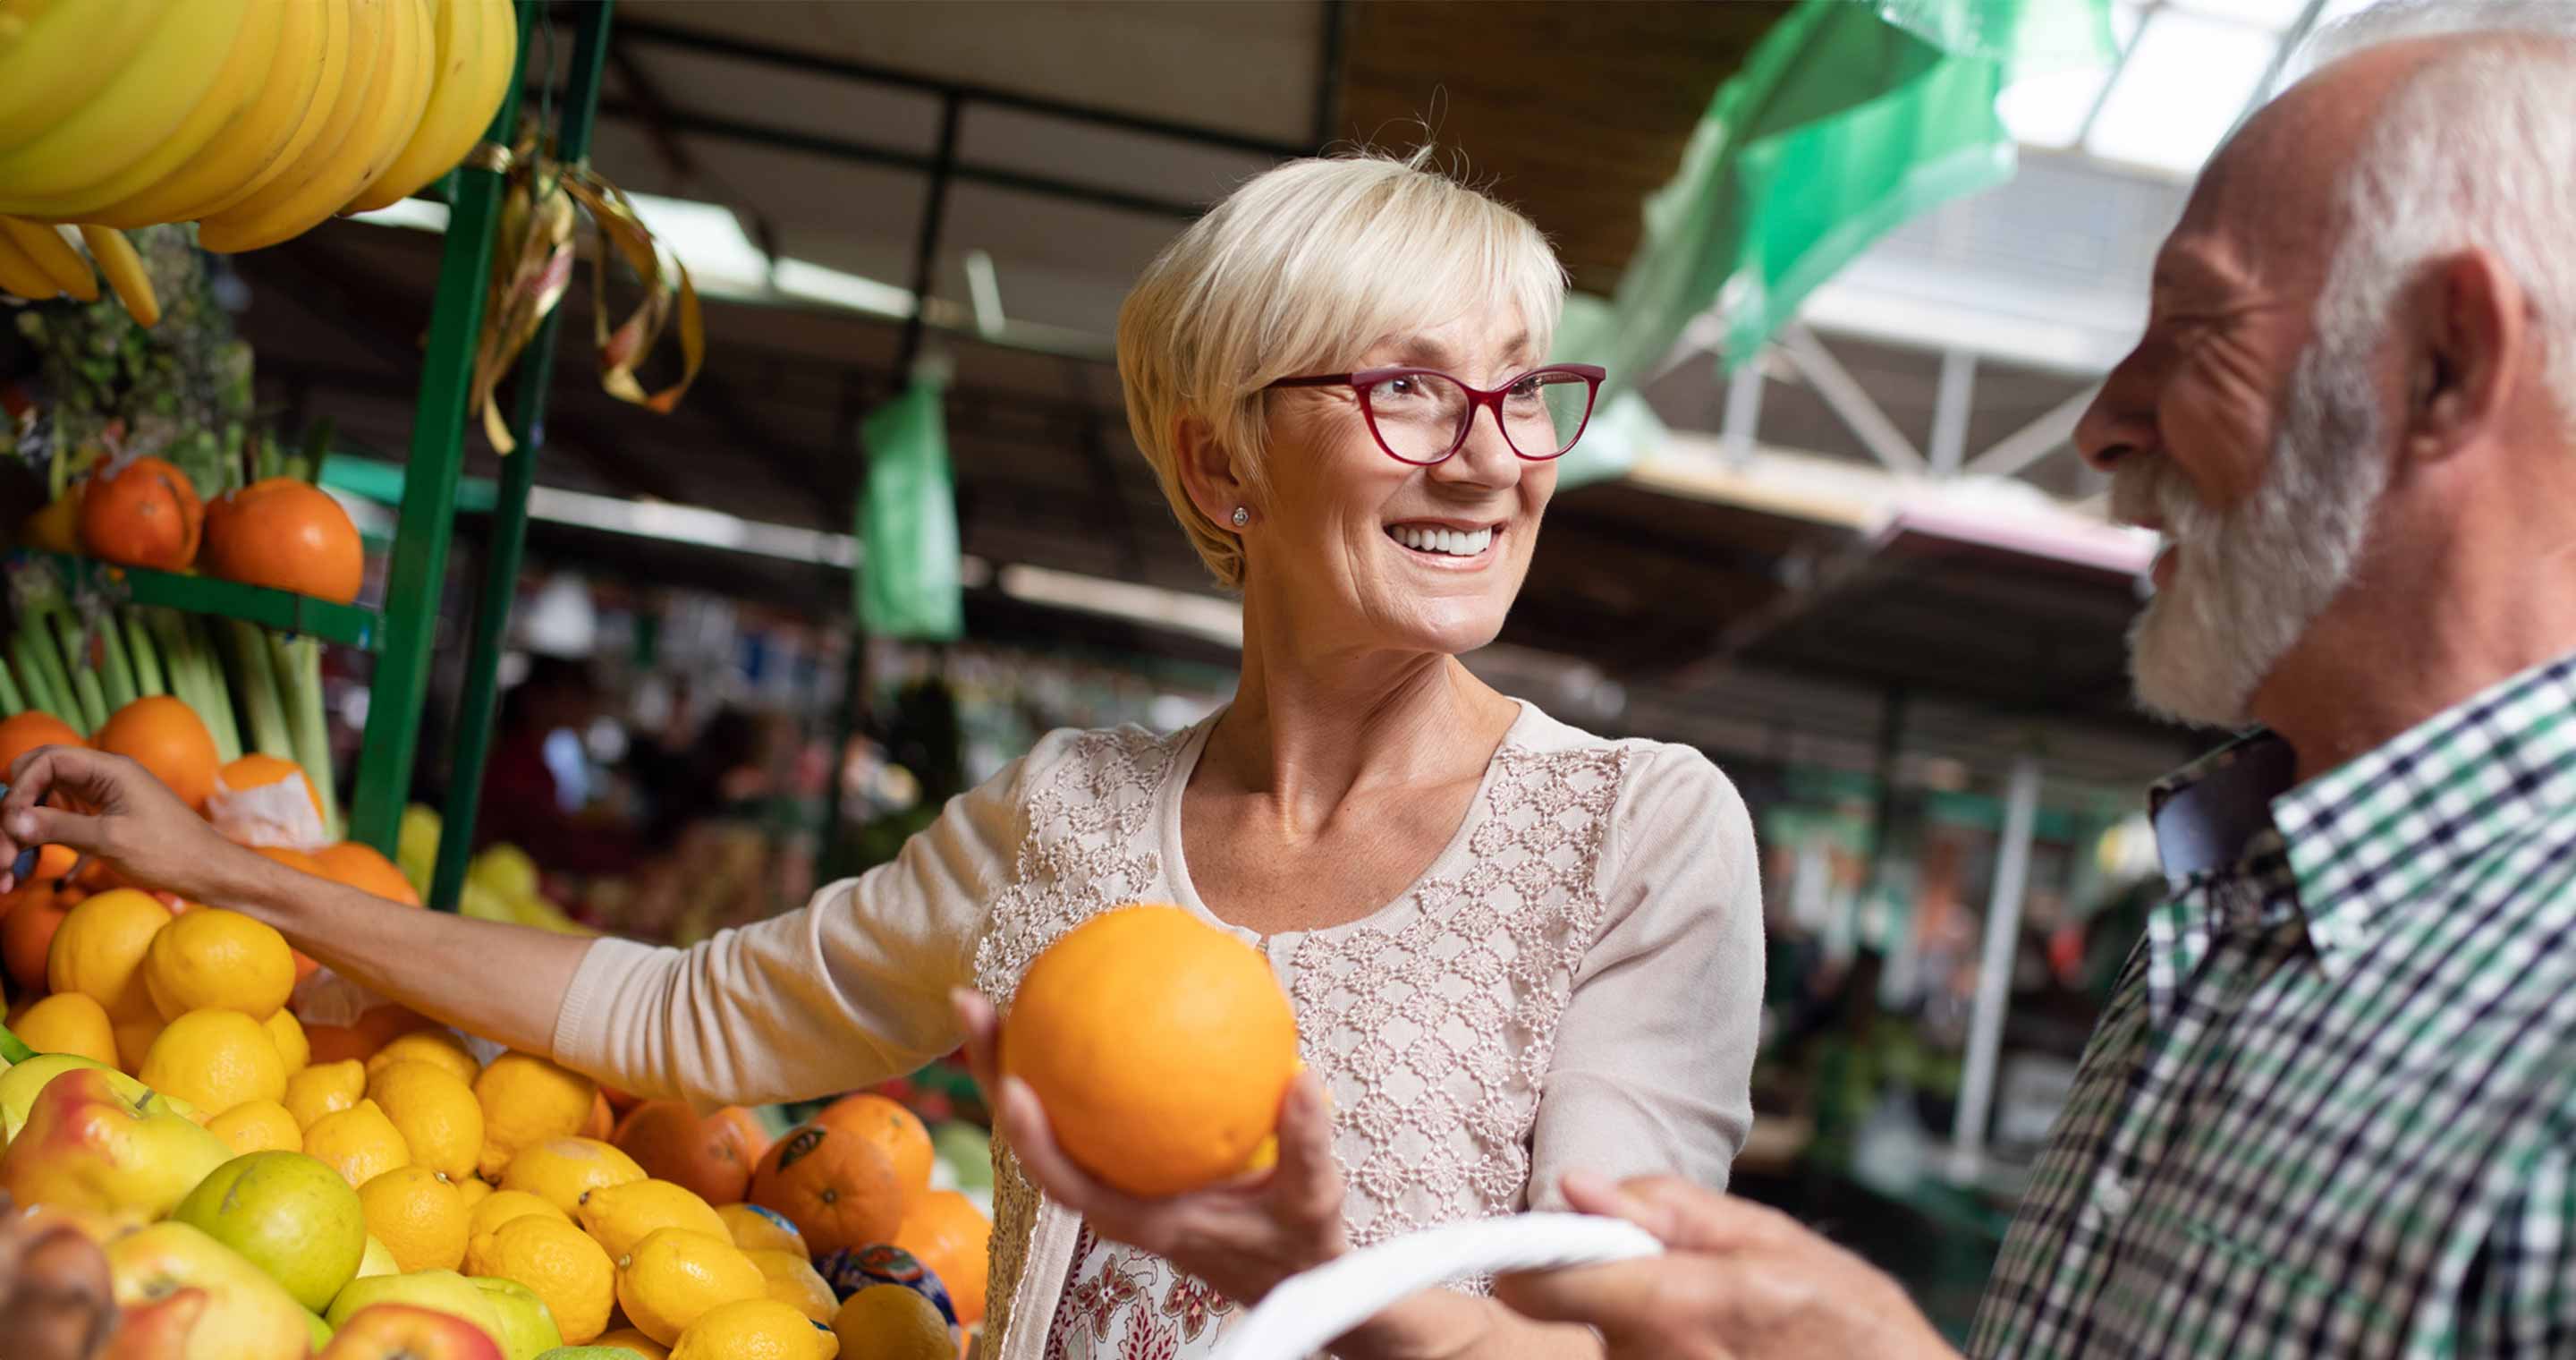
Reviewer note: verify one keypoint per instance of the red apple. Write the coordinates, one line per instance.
(398, 1331)
(92, 1142)
(157, 1331)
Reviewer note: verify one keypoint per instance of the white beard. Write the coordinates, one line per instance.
(2249, 581)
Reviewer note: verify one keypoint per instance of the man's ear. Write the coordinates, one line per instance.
(2466, 353)
(1207, 473)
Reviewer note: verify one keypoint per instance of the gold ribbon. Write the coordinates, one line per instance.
(533, 258)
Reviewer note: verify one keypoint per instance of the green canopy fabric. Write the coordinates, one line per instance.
(1846, 119)
(908, 582)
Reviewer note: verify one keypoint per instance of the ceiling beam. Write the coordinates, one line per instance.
(1843, 392)
(2008, 456)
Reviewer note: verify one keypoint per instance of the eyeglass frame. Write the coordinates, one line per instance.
(1477, 397)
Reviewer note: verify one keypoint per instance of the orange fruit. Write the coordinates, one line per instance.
(27, 936)
(69, 1023)
(712, 1157)
(953, 1238)
(1159, 1045)
(379, 1026)
(838, 1188)
(259, 769)
(99, 951)
(166, 737)
(889, 1125)
(362, 867)
(24, 732)
(601, 1122)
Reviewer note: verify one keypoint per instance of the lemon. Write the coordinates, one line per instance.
(620, 1215)
(134, 1040)
(890, 1322)
(257, 1126)
(503, 1205)
(327, 1089)
(633, 1340)
(359, 1143)
(674, 1276)
(215, 959)
(418, 1216)
(755, 1228)
(794, 1281)
(475, 1189)
(755, 1329)
(562, 1171)
(527, 1100)
(215, 1060)
(436, 1113)
(438, 1046)
(288, 1034)
(68, 1022)
(558, 1261)
(377, 1260)
(98, 951)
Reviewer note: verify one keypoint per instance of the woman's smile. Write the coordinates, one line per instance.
(1447, 544)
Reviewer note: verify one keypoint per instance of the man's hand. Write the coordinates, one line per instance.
(1738, 1281)
(55, 1300)
(108, 806)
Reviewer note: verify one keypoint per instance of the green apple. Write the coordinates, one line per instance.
(291, 1215)
(91, 1142)
(377, 1260)
(248, 1316)
(320, 1330)
(442, 1291)
(527, 1326)
(968, 1151)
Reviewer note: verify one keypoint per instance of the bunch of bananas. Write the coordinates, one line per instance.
(256, 119)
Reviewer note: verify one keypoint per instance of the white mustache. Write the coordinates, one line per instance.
(2150, 489)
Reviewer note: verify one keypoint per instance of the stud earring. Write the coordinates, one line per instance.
(1242, 517)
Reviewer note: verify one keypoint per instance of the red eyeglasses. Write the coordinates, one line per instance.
(1420, 415)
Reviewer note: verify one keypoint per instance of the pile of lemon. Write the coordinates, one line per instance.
(458, 1166)
(258, 119)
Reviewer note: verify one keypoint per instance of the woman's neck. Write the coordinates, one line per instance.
(1306, 731)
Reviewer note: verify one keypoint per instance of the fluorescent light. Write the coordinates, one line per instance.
(707, 237)
(1203, 615)
(692, 524)
(986, 288)
(814, 283)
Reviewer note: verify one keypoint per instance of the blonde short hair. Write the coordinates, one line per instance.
(1302, 270)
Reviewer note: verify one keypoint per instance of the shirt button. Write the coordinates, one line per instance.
(2112, 1197)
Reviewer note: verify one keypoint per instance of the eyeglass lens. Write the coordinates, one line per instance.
(1422, 417)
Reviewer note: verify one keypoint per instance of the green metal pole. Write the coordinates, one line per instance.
(429, 491)
(475, 709)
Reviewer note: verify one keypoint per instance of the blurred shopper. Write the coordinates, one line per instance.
(1340, 376)
(543, 720)
(55, 1300)
(2331, 1109)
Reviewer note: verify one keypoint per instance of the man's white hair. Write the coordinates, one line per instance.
(2476, 149)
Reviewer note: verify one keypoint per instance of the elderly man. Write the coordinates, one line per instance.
(2331, 1109)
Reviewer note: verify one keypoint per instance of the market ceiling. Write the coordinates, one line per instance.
(812, 121)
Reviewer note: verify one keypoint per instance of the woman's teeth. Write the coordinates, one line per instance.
(1454, 542)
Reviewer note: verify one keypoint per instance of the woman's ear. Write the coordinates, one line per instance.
(1207, 473)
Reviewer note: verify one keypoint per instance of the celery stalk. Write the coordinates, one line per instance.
(255, 671)
(116, 669)
(22, 654)
(147, 662)
(12, 703)
(298, 666)
(40, 641)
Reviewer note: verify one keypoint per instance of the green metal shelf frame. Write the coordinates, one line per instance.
(405, 634)
(345, 625)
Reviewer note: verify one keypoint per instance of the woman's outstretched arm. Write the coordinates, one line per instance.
(502, 982)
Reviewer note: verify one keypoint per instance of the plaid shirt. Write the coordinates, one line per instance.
(2331, 1108)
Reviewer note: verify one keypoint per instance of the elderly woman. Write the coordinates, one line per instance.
(1514, 948)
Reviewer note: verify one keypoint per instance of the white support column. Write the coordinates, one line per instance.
(1743, 410)
(1994, 969)
(1951, 407)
